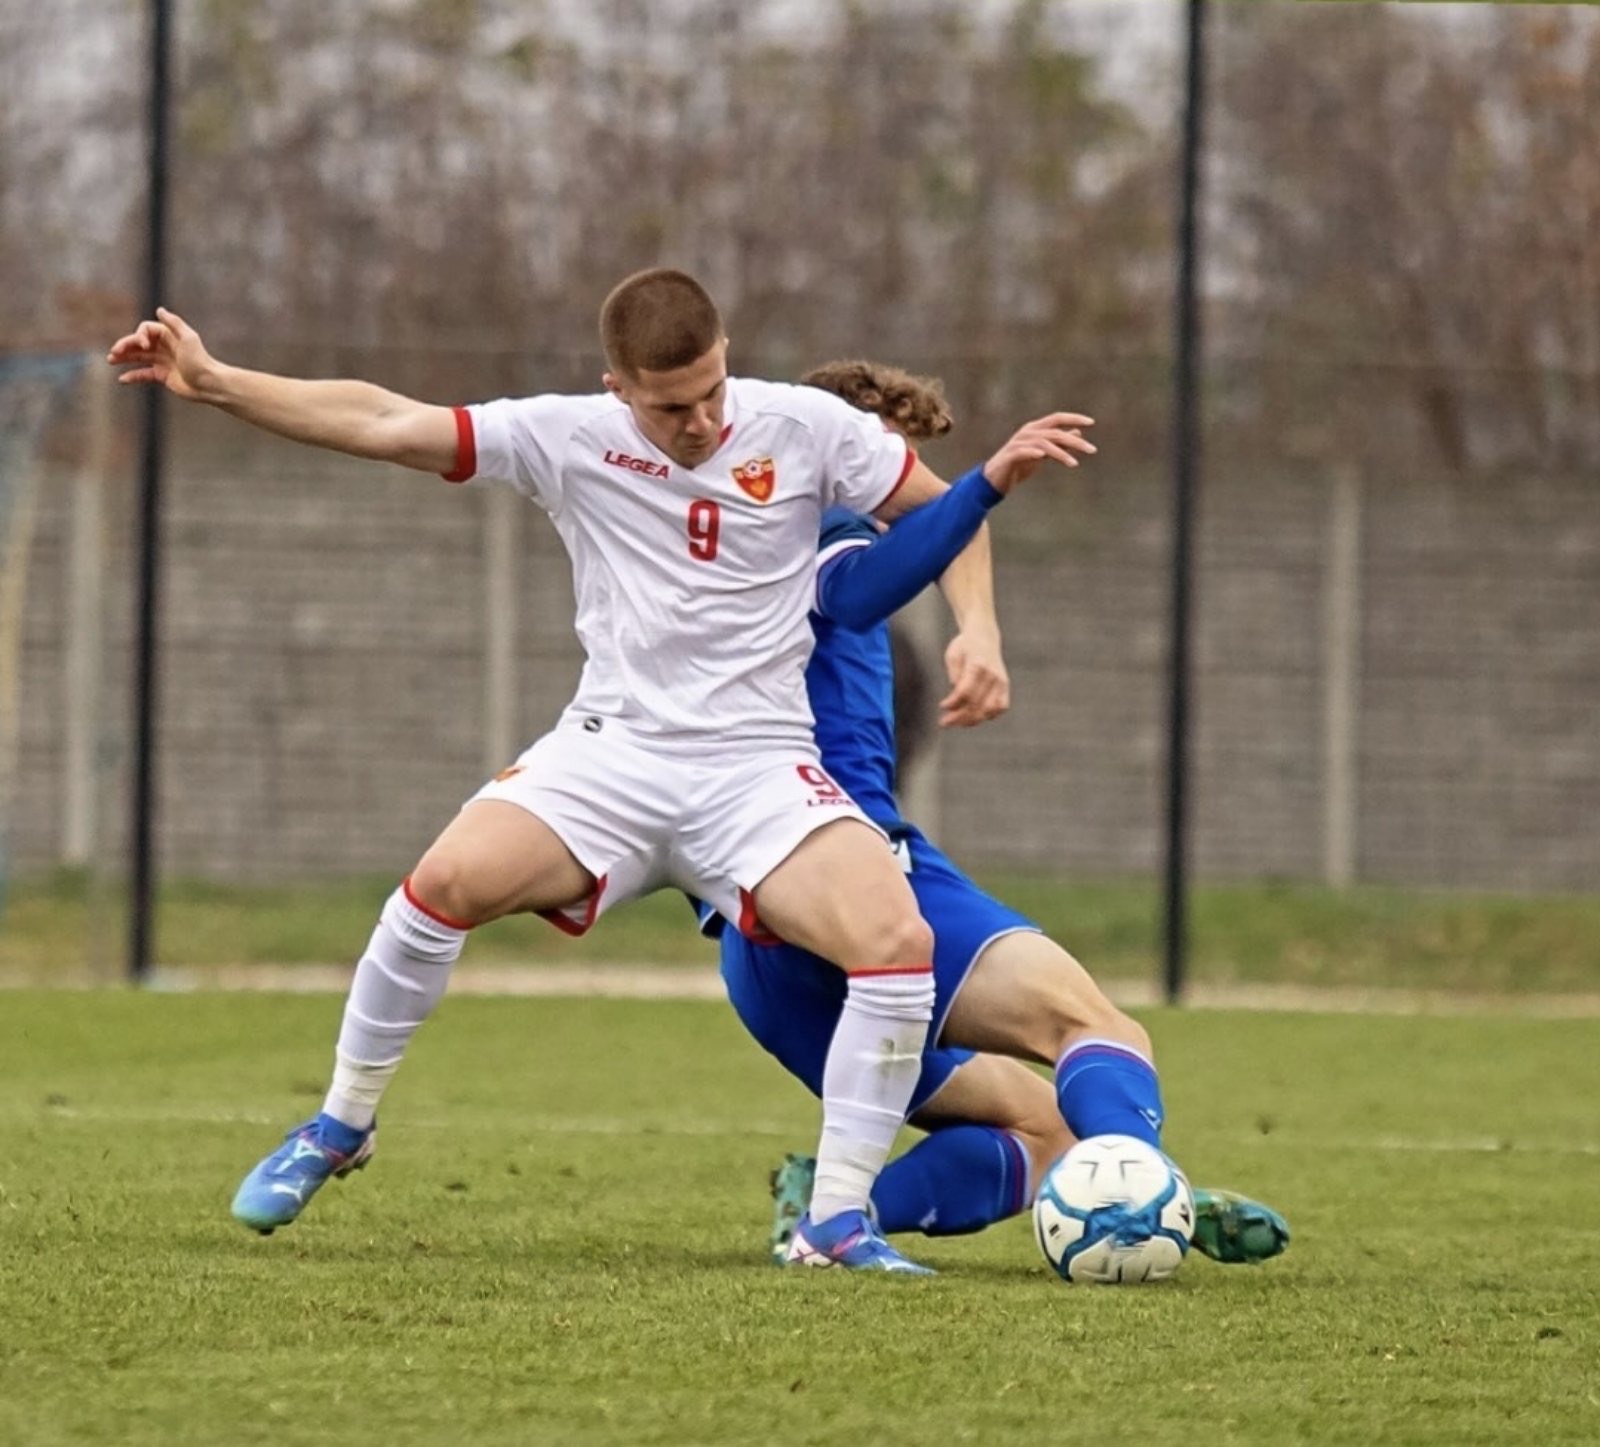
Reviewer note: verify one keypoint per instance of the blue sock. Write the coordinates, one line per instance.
(958, 1179)
(1109, 1089)
(336, 1135)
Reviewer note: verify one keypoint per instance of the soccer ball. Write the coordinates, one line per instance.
(1114, 1209)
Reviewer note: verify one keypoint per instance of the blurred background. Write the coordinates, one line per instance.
(1397, 591)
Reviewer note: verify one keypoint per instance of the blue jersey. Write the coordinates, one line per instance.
(863, 576)
(850, 681)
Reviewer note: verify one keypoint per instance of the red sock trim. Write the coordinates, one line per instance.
(433, 914)
(891, 970)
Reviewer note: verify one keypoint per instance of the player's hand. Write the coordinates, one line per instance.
(167, 351)
(1058, 437)
(980, 688)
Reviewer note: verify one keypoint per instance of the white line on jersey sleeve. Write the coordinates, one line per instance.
(827, 555)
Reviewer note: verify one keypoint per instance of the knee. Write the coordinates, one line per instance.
(900, 939)
(444, 886)
(1131, 1032)
(1086, 1012)
(1099, 1018)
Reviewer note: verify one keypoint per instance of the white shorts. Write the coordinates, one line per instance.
(714, 822)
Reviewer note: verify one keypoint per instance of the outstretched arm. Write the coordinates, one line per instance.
(947, 541)
(979, 686)
(864, 585)
(354, 417)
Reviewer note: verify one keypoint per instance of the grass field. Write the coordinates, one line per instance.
(560, 1242)
(1242, 933)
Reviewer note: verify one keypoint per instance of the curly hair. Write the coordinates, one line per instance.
(916, 405)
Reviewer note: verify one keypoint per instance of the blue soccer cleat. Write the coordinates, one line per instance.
(849, 1240)
(280, 1186)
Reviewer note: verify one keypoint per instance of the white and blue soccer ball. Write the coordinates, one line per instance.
(1114, 1210)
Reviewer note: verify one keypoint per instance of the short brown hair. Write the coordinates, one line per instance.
(915, 404)
(657, 320)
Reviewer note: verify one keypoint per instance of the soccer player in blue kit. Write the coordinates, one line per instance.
(1005, 993)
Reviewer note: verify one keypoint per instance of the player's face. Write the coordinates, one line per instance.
(679, 411)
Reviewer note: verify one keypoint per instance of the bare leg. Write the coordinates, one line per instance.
(842, 896)
(493, 859)
(1027, 997)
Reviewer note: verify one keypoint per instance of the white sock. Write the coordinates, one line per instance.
(398, 982)
(867, 1081)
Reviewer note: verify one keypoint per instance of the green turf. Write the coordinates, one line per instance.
(1297, 934)
(561, 1242)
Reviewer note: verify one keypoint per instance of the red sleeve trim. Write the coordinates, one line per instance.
(466, 448)
(899, 482)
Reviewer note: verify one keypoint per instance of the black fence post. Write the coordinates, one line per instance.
(141, 847)
(1185, 473)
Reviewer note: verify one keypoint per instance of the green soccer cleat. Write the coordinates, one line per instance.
(1235, 1230)
(792, 1184)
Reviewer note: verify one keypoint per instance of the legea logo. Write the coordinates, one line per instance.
(637, 464)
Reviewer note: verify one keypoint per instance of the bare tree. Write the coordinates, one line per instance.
(1406, 212)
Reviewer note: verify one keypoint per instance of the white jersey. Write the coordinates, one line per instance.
(693, 584)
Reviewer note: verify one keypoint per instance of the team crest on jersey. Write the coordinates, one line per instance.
(757, 478)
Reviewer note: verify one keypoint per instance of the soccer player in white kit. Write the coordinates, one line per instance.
(689, 503)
